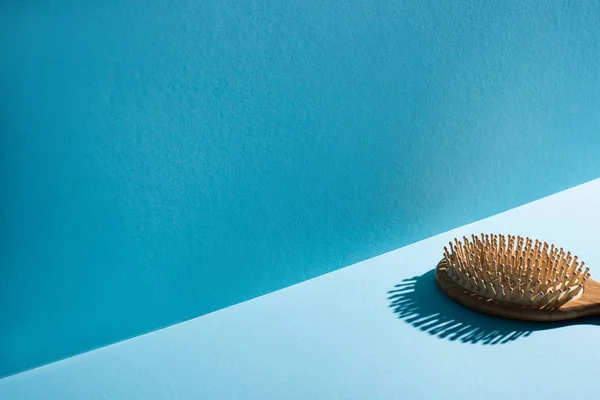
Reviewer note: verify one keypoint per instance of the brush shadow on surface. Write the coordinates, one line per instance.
(419, 302)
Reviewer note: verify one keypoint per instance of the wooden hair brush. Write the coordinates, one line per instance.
(516, 278)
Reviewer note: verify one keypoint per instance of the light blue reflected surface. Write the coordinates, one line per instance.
(159, 161)
(369, 331)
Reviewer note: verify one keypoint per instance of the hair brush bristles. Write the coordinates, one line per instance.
(516, 270)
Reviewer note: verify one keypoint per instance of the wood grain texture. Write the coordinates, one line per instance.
(588, 304)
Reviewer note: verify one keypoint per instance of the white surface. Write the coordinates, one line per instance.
(336, 336)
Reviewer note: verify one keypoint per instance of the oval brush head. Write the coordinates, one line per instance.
(517, 278)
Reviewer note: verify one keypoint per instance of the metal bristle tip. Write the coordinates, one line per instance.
(516, 270)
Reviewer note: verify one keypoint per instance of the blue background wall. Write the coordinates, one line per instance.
(160, 160)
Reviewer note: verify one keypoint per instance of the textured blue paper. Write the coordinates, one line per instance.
(369, 331)
(160, 160)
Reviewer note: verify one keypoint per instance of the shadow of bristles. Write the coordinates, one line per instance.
(419, 302)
